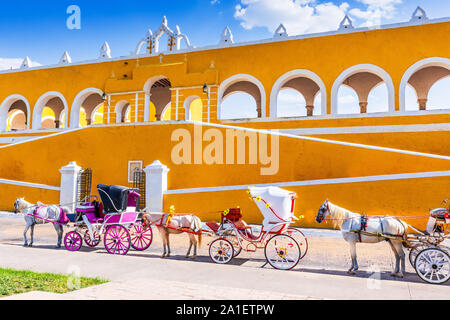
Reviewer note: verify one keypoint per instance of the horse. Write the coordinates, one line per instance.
(356, 228)
(52, 214)
(168, 224)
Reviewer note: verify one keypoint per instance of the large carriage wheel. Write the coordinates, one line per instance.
(141, 237)
(232, 237)
(221, 251)
(433, 265)
(414, 252)
(117, 240)
(282, 252)
(89, 242)
(301, 239)
(73, 241)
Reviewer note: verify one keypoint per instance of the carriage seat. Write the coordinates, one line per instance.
(440, 214)
(117, 198)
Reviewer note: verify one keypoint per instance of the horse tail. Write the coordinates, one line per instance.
(198, 222)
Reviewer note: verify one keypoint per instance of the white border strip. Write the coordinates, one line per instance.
(403, 176)
(29, 185)
(370, 129)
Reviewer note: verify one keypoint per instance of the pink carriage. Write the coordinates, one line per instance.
(283, 246)
(116, 218)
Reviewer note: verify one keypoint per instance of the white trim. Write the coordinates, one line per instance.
(4, 109)
(237, 78)
(389, 177)
(298, 73)
(434, 61)
(370, 129)
(42, 103)
(77, 104)
(29, 184)
(363, 68)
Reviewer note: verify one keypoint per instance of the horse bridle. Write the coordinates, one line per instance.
(321, 215)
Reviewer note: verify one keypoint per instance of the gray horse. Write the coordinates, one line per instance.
(51, 214)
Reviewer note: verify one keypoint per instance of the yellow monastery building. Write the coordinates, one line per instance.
(111, 114)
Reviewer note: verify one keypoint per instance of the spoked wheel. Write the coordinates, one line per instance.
(73, 241)
(117, 240)
(221, 251)
(301, 239)
(89, 242)
(141, 237)
(414, 252)
(282, 252)
(433, 266)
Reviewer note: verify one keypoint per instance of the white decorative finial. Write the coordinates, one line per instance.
(164, 21)
(346, 24)
(419, 15)
(65, 59)
(227, 37)
(105, 51)
(149, 35)
(26, 63)
(281, 32)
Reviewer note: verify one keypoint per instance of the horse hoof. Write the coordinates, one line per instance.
(399, 275)
(25, 245)
(163, 256)
(351, 272)
(30, 245)
(193, 257)
(393, 274)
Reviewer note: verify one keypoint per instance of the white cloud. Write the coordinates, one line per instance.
(309, 16)
(14, 63)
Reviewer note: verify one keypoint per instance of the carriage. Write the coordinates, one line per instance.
(116, 217)
(283, 246)
(430, 251)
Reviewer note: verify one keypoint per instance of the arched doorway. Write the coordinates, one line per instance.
(158, 93)
(193, 108)
(122, 110)
(50, 104)
(91, 100)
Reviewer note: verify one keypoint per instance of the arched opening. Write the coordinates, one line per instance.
(239, 105)
(298, 93)
(373, 87)
(123, 114)
(15, 114)
(158, 92)
(429, 78)
(167, 113)
(85, 107)
(50, 104)
(193, 108)
(241, 96)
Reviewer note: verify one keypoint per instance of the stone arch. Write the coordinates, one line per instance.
(55, 101)
(243, 83)
(158, 91)
(313, 86)
(91, 96)
(15, 101)
(428, 71)
(187, 107)
(368, 76)
(121, 111)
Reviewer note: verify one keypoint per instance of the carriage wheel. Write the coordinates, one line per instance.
(117, 240)
(301, 239)
(433, 266)
(73, 241)
(141, 237)
(414, 252)
(89, 242)
(282, 252)
(221, 251)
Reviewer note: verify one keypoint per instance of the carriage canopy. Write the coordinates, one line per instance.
(275, 204)
(117, 198)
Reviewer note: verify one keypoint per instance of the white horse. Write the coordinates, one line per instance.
(189, 224)
(52, 214)
(367, 229)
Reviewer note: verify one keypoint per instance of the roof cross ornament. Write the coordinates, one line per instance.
(105, 51)
(65, 59)
(26, 63)
(173, 43)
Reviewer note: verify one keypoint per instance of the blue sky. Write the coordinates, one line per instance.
(38, 28)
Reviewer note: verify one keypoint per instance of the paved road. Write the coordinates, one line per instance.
(144, 275)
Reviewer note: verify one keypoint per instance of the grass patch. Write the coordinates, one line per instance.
(15, 282)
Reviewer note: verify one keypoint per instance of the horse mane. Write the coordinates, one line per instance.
(338, 214)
